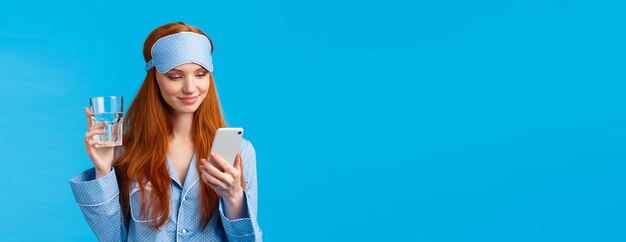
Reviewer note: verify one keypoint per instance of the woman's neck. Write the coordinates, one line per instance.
(181, 132)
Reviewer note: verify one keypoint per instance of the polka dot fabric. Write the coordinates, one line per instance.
(180, 48)
(99, 202)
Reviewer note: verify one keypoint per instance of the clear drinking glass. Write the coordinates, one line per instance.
(111, 110)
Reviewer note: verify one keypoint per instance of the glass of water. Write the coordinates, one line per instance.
(111, 110)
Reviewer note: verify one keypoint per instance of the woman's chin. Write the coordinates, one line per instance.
(186, 109)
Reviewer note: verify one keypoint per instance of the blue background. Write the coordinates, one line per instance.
(406, 120)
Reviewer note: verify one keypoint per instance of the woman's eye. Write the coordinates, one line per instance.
(179, 77)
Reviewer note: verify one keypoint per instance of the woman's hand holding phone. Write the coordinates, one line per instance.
(226, 184)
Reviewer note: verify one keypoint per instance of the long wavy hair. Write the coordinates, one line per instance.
(147, 126)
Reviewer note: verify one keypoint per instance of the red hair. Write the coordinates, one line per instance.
(147, 126)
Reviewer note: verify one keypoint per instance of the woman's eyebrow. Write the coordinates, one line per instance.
(177, 70)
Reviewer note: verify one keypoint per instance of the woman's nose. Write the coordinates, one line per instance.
(189, 86)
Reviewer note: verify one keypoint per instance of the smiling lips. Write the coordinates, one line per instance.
(189, 100)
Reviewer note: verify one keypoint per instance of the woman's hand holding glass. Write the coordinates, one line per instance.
(101, 157)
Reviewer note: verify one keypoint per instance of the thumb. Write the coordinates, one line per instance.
(88, 115)
(237, 163)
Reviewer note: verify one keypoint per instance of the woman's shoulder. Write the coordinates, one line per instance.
(248, 157)
(246, 147)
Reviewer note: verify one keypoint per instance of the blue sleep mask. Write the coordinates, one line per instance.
(180, 48)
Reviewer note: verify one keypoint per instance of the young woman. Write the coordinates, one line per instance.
(160, 185)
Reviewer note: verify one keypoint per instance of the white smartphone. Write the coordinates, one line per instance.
(226, 143)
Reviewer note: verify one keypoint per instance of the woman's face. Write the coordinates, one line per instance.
(184, 87)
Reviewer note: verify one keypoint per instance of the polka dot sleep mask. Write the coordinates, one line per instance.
(180, 48)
